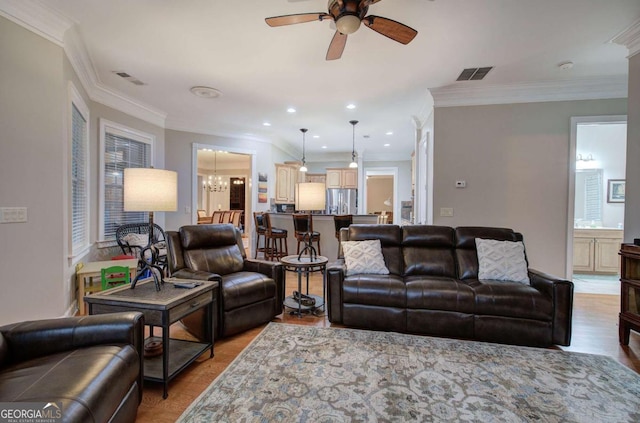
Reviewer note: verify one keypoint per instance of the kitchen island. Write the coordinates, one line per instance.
(322, 223)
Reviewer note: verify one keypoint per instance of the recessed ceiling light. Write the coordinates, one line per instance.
(389, 133)
(324, 146)
(351, 106)
(266, 124)
(387, 145)
(316, 136)
(291, 110)
(205, 92)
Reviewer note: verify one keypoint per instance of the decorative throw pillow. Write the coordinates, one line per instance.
(364, 257)
(501, 260)
(136, 240)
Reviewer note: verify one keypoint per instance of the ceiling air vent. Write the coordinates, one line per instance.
(129, 78)
(474, 74)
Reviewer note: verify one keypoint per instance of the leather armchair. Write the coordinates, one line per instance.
(251, 291)
(91, 365)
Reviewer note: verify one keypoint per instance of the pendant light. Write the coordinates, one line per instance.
(303, 168)
(353, 148)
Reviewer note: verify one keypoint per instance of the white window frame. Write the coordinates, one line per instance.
(75, 100)
(109, 127)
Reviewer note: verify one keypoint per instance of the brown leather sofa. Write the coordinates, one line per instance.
(251, 291)
(91, 366)
(433, 289)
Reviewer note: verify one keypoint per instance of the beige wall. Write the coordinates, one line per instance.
(178, 153)
(632, 200)
(379, 188)
(32, 111)
(515, 160)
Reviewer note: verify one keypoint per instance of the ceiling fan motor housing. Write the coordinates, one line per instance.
(347, 14)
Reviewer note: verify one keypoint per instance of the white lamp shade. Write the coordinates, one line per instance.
(310, 196)
(148, 189)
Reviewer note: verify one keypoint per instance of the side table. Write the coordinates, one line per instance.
(305, 265)
(163, 308)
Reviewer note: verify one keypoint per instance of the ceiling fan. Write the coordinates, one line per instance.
(347, 15)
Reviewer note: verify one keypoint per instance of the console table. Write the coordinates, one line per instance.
(629, 291)
(163, 308)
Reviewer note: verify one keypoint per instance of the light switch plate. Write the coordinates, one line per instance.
(446, 211)
(13, 214)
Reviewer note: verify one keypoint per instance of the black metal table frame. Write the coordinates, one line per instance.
(307, 267)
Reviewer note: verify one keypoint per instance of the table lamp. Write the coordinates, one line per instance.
(150, 190)
(310, 196)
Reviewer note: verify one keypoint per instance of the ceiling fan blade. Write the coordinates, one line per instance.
(296, 19)
(390, 28)
(366, 3)
(337, 46)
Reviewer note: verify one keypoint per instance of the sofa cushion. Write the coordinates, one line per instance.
(390, 237)
(89, 382)
(428, 250)
(382, 290)
(510, 299)
(211, 248)
(439, 293)
(466, 256)
(364, 257)
(501, 260)
(243, 288)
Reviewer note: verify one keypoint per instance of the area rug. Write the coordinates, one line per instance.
(293, 373)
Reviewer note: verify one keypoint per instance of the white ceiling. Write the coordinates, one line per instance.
(174, 45)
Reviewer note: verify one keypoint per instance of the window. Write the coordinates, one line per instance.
(121, 148)
(79, 134)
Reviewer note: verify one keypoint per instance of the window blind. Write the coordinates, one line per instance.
(120, 153)
(79, 182)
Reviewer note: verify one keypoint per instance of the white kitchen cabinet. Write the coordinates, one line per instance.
(342, 178)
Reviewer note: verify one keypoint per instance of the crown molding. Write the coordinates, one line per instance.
(462, 94)
(37, 18)
(630, 38)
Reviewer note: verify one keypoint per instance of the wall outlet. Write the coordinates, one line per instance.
(13, 214)
(461, 184)
(187, 210)
(446, 211)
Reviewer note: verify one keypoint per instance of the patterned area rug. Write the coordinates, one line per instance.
(293, 373)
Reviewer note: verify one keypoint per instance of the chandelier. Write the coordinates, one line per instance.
(215, 184)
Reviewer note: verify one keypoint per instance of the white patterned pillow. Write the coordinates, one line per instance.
(501, 260)
(364, 257)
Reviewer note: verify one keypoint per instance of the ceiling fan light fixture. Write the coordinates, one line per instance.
(348, 23)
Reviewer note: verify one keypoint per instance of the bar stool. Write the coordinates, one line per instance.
(275, 240)
(303, 227)
(258, 219)
(342, 221)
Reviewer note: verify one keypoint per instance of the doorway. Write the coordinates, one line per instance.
(223, 181)
(596, 213)
(381, 192)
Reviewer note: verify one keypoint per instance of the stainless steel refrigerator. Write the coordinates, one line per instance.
(342, 201)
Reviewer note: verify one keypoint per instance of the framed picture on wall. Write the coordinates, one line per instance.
(615, 190)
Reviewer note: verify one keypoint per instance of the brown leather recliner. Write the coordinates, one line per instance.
(251, 291)
(91, 366)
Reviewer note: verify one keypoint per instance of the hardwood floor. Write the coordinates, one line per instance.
(595, 330)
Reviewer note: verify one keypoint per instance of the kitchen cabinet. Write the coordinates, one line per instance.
(342, 178)
(596, 250)
(287, 176)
